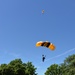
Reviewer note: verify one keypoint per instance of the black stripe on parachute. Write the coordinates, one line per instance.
(46, 44)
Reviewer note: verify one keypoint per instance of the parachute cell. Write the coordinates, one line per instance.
(45, 44)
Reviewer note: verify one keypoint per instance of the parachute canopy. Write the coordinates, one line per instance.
(45, 44)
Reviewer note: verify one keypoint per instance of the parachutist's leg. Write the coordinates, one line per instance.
(43, 59)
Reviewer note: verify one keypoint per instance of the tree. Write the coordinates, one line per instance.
(66, 68)
(30, 70)
(69, 65)
(17, 67)
(53, 70)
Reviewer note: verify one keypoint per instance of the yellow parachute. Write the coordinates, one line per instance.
(46, 44)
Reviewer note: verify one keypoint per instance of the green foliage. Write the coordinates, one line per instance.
(17, 67)
(66, 68)
(53, 70)
(30, 70)
(70, 65)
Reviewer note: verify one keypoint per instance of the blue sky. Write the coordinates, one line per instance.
(22, 24)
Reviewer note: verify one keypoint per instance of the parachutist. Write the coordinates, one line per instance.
(43, 58)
